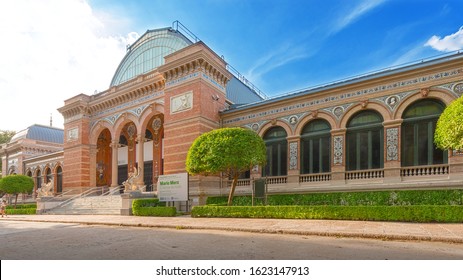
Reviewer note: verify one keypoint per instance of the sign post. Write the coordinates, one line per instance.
(173, 187)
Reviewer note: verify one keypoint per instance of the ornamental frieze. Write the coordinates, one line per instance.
(337, 111)
(127, 104)
(293, 120)
(392, 101)
(458, 89)
(255, 126)
(340, 97)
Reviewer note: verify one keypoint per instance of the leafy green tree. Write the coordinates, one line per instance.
(5, 137)
(16, 184)
(449, 129)
(231, 151)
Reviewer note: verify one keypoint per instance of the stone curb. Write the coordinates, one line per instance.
(338, 234)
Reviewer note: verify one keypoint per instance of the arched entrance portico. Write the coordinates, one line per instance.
(153, 160)
(103, 159)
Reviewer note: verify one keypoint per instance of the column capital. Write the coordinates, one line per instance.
(393, 123)
(141, 137)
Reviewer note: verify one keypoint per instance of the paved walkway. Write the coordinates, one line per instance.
(358, 229)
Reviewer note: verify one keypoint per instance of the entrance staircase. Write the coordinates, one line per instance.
(88, 203)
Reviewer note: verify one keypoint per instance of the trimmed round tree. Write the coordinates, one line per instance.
(231, 151)
(449, 129)
(16, 184)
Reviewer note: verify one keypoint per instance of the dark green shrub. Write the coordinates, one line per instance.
(22, 206)
(23, 211)
(160, 211)
(152, 207)
(150, 202)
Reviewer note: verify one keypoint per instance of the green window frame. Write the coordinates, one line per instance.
(417, 137)
(316, 147)
(277, 152)
(365, 141)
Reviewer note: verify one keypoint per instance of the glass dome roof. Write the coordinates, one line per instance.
(148, 53)
(40, 133)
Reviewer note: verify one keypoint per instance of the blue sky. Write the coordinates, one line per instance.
(60, 48)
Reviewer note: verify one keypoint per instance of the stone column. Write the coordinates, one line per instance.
(140, 158)
(392, 161)
(114, 161)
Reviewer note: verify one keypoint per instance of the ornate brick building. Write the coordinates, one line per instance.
(367, 133)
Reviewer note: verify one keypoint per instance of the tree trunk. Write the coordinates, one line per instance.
(15, 201)
(232, 190)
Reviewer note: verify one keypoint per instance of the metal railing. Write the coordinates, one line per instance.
(95, 190)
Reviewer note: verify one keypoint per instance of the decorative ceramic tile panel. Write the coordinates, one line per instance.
(293, 155)
(392, 143)
(338, 149)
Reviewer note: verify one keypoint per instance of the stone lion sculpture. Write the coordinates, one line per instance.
(129, 184)
(46, 189)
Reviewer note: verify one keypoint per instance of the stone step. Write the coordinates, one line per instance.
(84, 212)
(90, 205)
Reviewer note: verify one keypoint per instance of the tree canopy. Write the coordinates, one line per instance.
(16, 184)
(232, 151)
(5, 137)
(449, 129)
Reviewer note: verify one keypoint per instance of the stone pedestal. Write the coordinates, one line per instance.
(46, 202)
(127, 199)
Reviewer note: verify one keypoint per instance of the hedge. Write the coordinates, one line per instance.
(161, 211)
(402, 213)
(22, 211)
(152, 207)
(22, 206)
(151, 202)
(368, 198)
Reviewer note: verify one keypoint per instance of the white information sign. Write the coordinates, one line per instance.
(173, 187)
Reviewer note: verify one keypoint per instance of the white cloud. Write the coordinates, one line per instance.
(353, 14)
(278, 57)
(52, 50)
(451, 42)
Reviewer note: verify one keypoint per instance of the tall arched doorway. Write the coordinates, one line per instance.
(38, 180)
(127, 152)
(48, 176)
(59, 179)
(103, 159)
(153, 151)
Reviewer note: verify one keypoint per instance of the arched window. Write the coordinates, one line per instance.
(48, 176)
(38, 179)
(364, 141)
(315, 147)
(59, 178)
(277, 152)
(419, 124)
